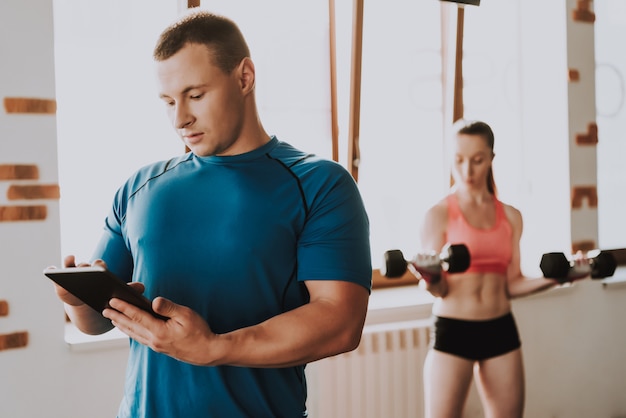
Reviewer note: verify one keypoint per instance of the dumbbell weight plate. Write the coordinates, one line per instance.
(394, 264)
(554, 265)
(455, 257)
(603, 265)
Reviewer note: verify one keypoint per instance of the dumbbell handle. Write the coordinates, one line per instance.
(579, 269)
(428, 265)
(599, 267)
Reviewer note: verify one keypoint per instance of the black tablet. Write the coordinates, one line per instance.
(96, 286)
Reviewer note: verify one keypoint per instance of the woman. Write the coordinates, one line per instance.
(474, 331)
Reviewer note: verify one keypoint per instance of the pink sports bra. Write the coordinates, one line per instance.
(490, 249)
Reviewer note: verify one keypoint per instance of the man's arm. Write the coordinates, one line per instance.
(331, 323)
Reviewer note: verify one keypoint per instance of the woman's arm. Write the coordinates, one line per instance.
(518, 284)
(433, 238)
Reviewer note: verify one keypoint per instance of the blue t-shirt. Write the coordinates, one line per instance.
(233, 238)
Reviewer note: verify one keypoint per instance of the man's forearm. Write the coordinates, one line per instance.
(87, 320)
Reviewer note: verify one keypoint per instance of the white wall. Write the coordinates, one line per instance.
(574, 345)
(45, 378)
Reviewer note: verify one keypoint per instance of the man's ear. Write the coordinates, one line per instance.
(247, 75)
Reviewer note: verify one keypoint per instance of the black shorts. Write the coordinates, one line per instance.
(476, 340)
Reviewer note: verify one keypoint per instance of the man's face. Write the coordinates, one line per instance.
(205, 105)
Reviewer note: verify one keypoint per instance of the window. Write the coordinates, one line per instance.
(610, 30)
(110, 120)
(401, 172)
(513, 80)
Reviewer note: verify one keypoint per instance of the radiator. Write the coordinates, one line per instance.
(382, 378)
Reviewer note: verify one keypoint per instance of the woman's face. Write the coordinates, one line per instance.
(472, 161)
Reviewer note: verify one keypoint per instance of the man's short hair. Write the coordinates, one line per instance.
(219, 34)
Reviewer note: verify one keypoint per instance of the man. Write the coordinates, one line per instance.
(256, 252)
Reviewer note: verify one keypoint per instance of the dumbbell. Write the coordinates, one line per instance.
(558, 266)
(454, 258)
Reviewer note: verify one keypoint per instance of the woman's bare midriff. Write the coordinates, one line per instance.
(474, 296)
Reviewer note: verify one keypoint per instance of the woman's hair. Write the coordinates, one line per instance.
(483, 130)
(219, 34)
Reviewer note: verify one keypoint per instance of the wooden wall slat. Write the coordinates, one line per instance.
(19, 172)
(379, 281)
(583, 12)
(23, 213)
(30, 105)
(354, 129)
(33, 191)
(580, 193)
(13, 340)
(583, 246)
(590, 137)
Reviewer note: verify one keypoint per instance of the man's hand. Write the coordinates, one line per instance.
(185, 336)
